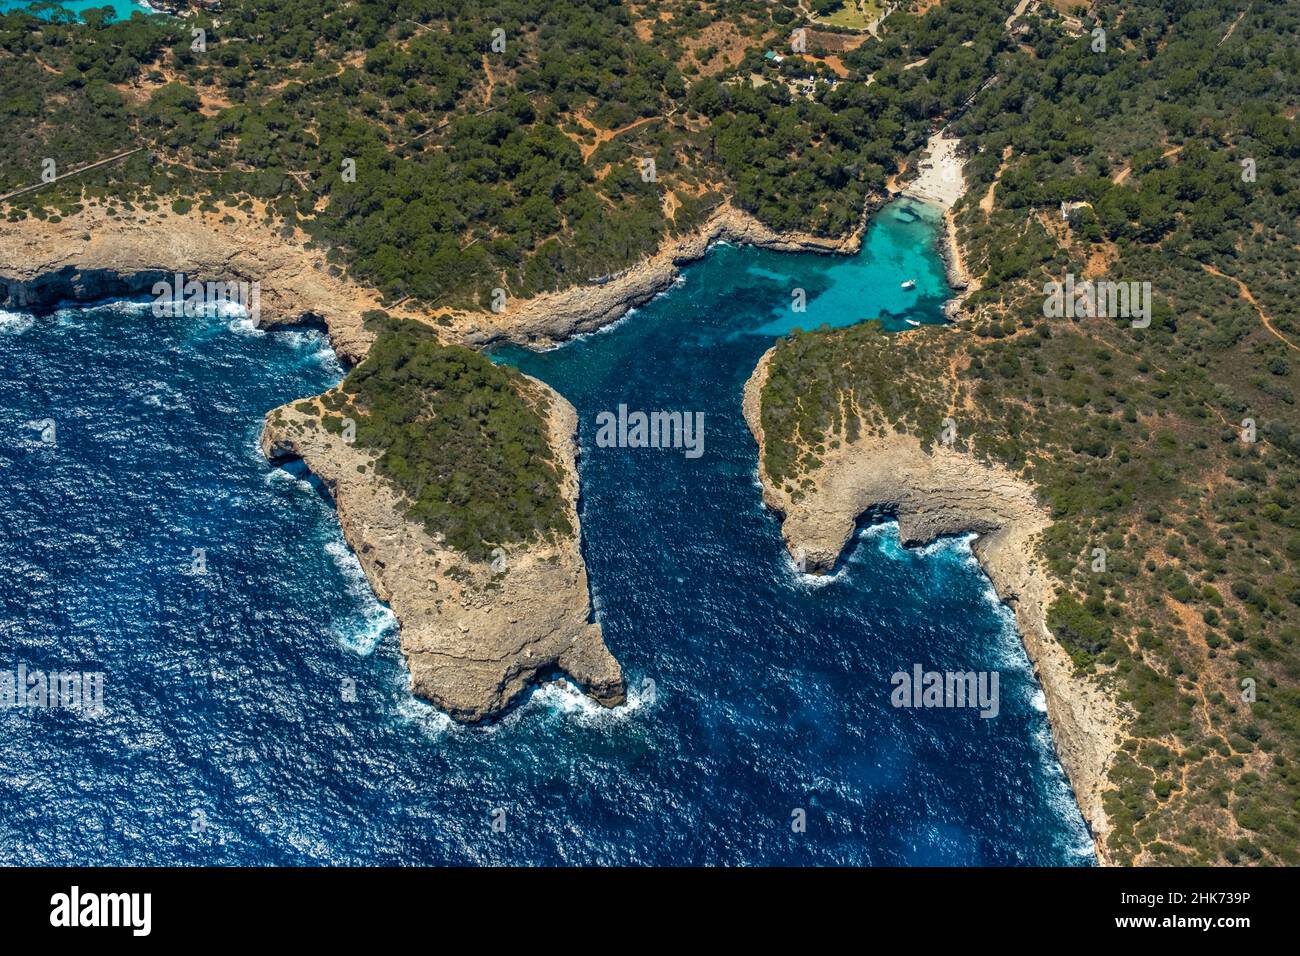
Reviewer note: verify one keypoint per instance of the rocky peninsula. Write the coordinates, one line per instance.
(475, 634)
(946, 492)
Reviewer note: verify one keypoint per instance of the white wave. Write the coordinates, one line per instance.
(296, 338)
(885, 536)
(815, 582)
(15, 323)
(806, 579)
(76, 314)
(433, 722)
(378, 620)
(1038, 700)
(130, 307)
(1077, 841)
(958, 546)
(363, 639)
(301, 340)
(279, 476)
(166, 398)
(243, 325)
(564, 698)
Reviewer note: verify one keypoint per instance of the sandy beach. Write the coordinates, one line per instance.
(939, 180)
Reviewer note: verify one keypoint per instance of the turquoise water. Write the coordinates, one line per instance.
(122, 9)
(755, 692)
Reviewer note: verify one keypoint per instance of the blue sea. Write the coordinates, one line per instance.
(145, 538)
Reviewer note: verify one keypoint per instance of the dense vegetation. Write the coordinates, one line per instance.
(465, 440)
(1133, 436)
(476, 167)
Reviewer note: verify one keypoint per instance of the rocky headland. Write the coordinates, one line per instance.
(475, 634)
(92, 256)
(946, 492)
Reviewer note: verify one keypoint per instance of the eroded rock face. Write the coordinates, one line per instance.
(554, 316)
(474, 639)
(944, 492)
(93, 256)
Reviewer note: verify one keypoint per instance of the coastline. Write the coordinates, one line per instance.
(471, 649)
(552, 317)
(474, 636)
(939, 184)
(945, 492)
(93, 256)
(462, 655)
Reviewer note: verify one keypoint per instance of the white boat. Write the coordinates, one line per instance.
(909, 284)
(911, 322)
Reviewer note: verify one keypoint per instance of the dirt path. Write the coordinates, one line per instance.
(1124, 173)
(1249, 297)
(1241, 16)
(986, 204)
(1019, 11)
(491, 81)
(72, 172)
(603, 136)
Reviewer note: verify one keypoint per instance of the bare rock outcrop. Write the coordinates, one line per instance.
(474, 637)
(944, 492)
(93, 255)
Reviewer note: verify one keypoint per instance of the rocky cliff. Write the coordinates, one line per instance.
(945, 492)
(474, 634)
(93, 256)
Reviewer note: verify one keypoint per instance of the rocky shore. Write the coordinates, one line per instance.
(474, 639)
(93, 256)
(555, 316)
(474, 636)
(945, 492)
